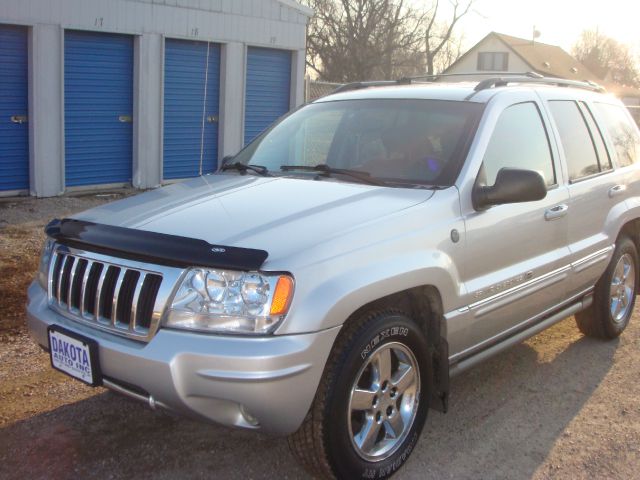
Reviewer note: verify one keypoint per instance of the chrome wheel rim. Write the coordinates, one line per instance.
(384, 401)
(622, 288)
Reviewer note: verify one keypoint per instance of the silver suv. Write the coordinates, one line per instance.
(328, 280)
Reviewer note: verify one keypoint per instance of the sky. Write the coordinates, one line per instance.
(559, 21)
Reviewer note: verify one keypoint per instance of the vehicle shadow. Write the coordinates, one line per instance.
(505, 416)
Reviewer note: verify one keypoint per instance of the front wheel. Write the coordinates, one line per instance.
(614, 295)
(372, 402)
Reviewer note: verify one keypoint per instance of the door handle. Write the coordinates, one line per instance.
(20, 119)
(556, 212)
(125, 119)
(617, 190)
(212, 118)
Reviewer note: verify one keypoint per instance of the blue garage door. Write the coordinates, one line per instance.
(14, 132)
(98, 104)
(191, 106)
(268, 89)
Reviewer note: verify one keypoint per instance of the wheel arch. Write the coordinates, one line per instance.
(424, 305)
(631, 229)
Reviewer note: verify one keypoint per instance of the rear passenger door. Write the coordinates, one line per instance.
(594, 189)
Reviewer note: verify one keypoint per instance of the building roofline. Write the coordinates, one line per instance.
(298, 6)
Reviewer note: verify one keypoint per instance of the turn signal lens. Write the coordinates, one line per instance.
(282, 296)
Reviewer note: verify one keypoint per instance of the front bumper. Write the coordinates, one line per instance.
(208, 376)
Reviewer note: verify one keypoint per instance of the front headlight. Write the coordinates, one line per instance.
(45, 260)
(230, 302)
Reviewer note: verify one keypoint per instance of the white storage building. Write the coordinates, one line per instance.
(139, 92)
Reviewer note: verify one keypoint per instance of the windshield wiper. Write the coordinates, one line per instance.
(242, 168)
(323, 168)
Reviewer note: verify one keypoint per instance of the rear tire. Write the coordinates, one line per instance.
(614, 295)
(372, 401)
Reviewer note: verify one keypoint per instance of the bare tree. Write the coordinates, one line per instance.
(360, 39)
(607, 58)
(438, 35)
(352, 40)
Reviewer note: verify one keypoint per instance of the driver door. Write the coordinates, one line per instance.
(515, 254)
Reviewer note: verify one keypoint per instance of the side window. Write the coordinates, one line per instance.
(622, 131)
(597, 135)
(519, 140)
(576, 140)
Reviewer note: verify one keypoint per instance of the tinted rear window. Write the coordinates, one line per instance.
(622, 131)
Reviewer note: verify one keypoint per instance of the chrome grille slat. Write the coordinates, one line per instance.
(63, 264)
(116, 295)
(54, 261)
(134, 303)
(70, 281)
(83, 290)
(103, 275)
(108, 293)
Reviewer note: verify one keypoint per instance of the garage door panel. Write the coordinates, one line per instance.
(98, 108)
(14, 137)
(189, 65)
(268, 89)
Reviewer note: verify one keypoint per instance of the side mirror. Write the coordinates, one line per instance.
(512, 186)
(226, 159)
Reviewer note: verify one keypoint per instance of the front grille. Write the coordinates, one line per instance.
(118, 298)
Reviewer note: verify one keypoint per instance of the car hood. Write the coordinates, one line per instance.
(279, 215)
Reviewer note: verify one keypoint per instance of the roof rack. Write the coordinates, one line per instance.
(435, 76)
(376, 83)
(503, 81)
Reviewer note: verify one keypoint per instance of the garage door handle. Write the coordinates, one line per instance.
(212, 119)
(125, 119)
(19, 119)
(556, 212)
(617, 190)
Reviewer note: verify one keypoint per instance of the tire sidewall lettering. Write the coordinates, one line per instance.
(381, 336)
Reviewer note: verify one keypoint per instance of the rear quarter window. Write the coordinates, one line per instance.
(622, 131)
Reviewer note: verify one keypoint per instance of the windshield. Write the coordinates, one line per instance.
(395, 141)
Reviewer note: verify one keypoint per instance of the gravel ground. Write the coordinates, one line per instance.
(557, 406)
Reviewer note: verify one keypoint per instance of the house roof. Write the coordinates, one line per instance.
(548, 60)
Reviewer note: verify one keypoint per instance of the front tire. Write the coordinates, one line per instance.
(372, 401)
(614, 295)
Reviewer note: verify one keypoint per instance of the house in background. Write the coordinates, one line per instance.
(499, 53)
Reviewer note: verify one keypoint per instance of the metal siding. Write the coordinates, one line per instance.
(14, 137)
(268, 89)
(98, 89)
(184, 104)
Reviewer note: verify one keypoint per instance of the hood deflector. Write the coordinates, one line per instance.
(160, 248)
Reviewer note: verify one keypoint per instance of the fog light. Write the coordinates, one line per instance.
(250, 419)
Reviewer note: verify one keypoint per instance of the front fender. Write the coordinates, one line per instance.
(330, 302)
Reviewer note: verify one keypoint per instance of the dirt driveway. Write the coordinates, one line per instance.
(557, 406)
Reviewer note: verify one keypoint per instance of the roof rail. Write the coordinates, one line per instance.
(503, 81)
(376, 83)
(429, 78)
(435, 76)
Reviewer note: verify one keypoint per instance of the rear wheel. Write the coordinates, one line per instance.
(372, 402)
(614, 295)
